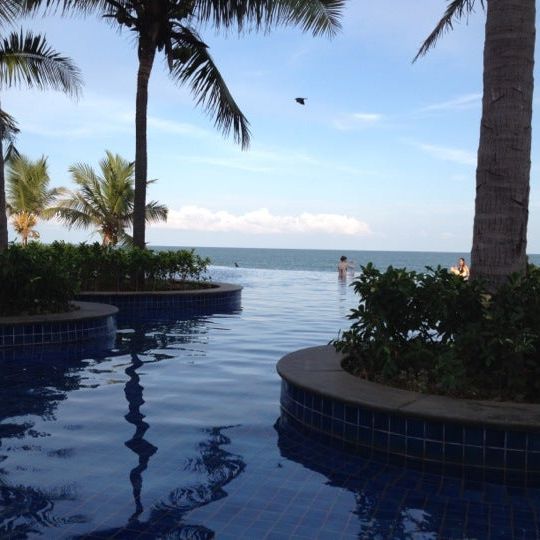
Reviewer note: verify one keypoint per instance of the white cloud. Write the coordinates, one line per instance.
(464, 157)
(262, 221)
(357, 120)
(462, 102)
(367, 118)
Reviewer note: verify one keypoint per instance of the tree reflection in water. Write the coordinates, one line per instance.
(167, 517)
(34, 381)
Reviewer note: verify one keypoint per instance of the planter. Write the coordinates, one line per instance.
(494, 441)
(223, 298)
(89, 322)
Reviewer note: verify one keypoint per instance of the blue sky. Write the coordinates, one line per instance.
(381, 157)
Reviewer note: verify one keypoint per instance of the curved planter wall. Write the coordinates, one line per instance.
(492, 441)
(90, 322)
(224, 297)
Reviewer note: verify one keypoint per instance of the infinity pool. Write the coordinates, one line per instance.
(175, 434)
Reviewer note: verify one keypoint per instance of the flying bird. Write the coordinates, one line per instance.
(301, 100)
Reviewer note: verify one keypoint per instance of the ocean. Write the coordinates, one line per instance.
(326, 260)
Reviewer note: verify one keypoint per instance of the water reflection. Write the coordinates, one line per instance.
(393, 501)
(138, 444)
(34, 381)
(167, 517)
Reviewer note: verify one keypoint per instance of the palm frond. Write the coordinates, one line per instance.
(76, 7)
(194, 65)
(456, 10)
(156, 212)
(26, 58)
(28, 185)
(8, 127)
(10, 10)
(315, 16)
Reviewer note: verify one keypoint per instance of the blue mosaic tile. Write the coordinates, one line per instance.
(474, 436)
(534, 442)
(415, 427)
(494, 457)
(434, 430)
(381, 421)
(474, 455)
(495, 438)
(453, 433)
(398, 425)
(365, 418)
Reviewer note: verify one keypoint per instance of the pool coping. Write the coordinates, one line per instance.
(220, 287)
(86, 310)
(319, 370)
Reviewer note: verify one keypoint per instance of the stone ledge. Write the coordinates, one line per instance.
(218, 288)
(318, 369)
(86, 310)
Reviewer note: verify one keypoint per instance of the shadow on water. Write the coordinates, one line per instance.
(396, 501)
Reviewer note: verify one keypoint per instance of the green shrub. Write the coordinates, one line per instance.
(33, 281)
(435, 332)
(106, 268)
(44, 279)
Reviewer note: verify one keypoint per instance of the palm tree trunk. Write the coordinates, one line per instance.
(147, 51)
(504, 152)
(3, 212)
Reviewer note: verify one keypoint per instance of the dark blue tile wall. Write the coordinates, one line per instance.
(156, 304)
(488, 453)
(57, 332)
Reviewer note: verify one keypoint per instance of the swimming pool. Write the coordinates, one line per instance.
(175, 434)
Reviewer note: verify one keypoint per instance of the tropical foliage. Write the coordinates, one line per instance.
(34, 280)
(434, 332)
(45, 279)
(169, 26)
(95, 267)
(28, 194)
(104, 202)
(27, 60)
(504, 151)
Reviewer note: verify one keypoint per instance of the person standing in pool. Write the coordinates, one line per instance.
(343, 266)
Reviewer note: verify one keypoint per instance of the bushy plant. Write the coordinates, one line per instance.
(44, 279)
(33, 281)
(107, 268)
(435, 332)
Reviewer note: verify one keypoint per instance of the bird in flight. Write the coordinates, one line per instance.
(301, 100)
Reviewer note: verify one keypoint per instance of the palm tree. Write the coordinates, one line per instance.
(168, 26)
(28, 194)
(27, 59)
(104, 202)
(504, 150)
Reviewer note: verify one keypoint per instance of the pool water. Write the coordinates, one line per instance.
(175, 434)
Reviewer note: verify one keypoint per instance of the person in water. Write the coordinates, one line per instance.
(343, 266)
(461, 269)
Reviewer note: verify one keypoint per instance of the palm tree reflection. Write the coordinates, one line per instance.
(138, 444)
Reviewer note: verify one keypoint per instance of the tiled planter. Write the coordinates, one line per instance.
(224, 297)
(492, 441)
(90, 322)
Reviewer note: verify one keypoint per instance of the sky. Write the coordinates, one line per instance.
(381, 157)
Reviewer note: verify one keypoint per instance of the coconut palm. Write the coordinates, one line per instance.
(104, 202)
(504, 150)
(28, 194)
(27, 59)
(169, 26)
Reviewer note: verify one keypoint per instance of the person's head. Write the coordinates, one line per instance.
(343, 258)
(461, 261)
